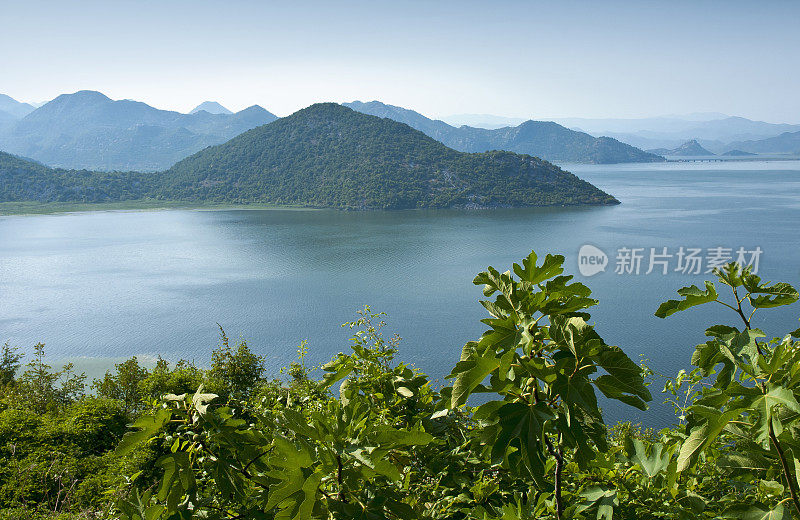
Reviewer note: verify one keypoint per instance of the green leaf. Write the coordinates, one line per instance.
(692, 501)
(405, 392)
(624, 377)
(533, 274)
(771, 487)
(387, 436)
(292, 482)
(522, 427)
(765, 403)
(703, 435)
(757, 512)
(148, 426)
(604, 499)
(178, 477)
(651, 461)
(335, 373)
(692, 296)
(297, 422)
(289, 455)
(769, 295)
(469, 374)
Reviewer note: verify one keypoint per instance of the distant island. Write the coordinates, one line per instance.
(544, 139)
(738, 153)
(688, 149)
(325, 155)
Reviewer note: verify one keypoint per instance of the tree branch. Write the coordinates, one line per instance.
(790, 478)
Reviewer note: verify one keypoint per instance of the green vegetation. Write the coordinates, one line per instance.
(22, 180)
(519, 434)
(323, 156)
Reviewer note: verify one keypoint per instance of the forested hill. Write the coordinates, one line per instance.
(26, 180)
(328, 155)
(544, 139)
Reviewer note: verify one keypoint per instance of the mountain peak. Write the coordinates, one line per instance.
(325, 107)
(15, 108)
(691, 147)
(81, 97)
(212, 107)
(86, 129)
(87, 94)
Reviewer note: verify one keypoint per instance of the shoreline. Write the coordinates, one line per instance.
(15, 209)
(20, 209)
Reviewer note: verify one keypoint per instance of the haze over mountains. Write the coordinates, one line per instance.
(212, 107)
(13, 109)
(716, 132)
(544, 139)
(489, 121)
(688, 149)
(787, 142)
(89, 130)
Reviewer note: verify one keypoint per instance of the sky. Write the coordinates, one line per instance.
(529, 59)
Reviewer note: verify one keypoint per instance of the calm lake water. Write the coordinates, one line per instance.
(106, 285)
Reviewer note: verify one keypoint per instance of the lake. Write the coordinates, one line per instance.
(100, 286)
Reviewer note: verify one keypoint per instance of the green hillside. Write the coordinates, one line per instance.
(328, 155)
(26, 180)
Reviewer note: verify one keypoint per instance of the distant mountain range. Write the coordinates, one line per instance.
(88, 130)
(688, 149)
(785, 143)
(212, 107)
(738, 153)
(544, 139)
(12, 109)
(325, 155)
(716, 132)
(482, 120)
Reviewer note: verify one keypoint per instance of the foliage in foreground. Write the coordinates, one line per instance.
(374, 439)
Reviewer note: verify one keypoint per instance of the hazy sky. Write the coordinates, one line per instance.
(526, 59)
